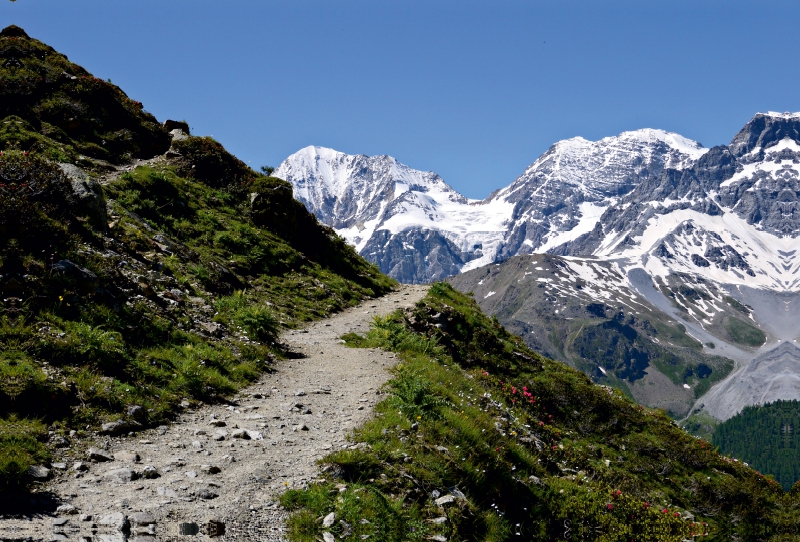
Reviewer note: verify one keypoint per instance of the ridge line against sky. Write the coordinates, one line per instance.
(474, 91)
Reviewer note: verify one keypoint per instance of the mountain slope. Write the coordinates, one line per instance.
(418, 229)
(706, 238)
(130, 291)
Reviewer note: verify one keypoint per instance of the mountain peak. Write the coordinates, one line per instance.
(765, 130)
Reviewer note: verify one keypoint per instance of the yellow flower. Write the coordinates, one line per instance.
(60, 298)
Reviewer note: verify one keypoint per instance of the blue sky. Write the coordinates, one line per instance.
(475, 91)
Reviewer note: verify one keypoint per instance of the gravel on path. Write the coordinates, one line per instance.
(221, 467)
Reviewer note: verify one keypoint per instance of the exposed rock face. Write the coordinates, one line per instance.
(379, 204)
(619, 196)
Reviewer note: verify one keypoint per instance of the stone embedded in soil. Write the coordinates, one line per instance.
(117, 521)
(329, 519)
(39, 472)
(96, 454)
(123, 475)
(142, 519)
(241, 434)
(207, 494)
(217, 423)
(66, 509)
(210, 469)
(150, 472)
(119, 427)
(447, 499)
(127, 456)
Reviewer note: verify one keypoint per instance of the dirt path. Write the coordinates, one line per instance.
(207, 474)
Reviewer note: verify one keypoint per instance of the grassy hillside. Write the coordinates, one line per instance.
(166, 285)
(480, 438)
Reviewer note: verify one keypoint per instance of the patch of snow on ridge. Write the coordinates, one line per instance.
(590, 214)
(758, 248)
(785, 115)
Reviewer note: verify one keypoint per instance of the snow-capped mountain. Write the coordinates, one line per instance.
(675, 251)
(418, 229)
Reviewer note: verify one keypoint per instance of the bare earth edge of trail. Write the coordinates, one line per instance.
(223, 466)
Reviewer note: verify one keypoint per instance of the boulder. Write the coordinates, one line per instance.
(119, 427)
(182, 125)
(39, 472)
(88, 194)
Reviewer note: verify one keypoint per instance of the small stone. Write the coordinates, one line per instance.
(59, 466)
(447, 499)
(199, 432)
(60, 522)
(328, 537)
(66, 509)
(85, 517)
(59, 441)
(217, 423)
(241, 434)
(438, 538)
(439, 520)
(329, 519)
(197, 444)
(219, 435)
(117, 521)
(207, 494)
(96, 454)
(150, 472)
(191, 474)
(39, 472)
(299, 393)
(80, 466)
(142, 519)
(123, 475)
(166, 492)
(255, 435)
(119, 427)
(210, 469)
(185, 404)
(127, 457)
(136, 412)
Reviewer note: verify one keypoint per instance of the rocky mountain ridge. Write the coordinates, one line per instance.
(706, 239)
(418, 229)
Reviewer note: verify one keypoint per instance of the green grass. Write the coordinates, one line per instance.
(83, 341)
(524, 445)
(743, 333)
